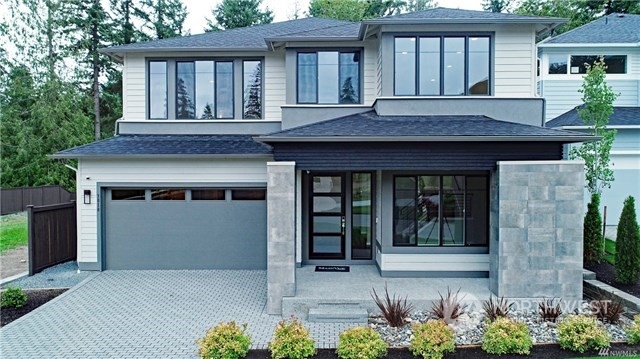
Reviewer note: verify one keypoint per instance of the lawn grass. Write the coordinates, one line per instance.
(13, 232)
(610, 251)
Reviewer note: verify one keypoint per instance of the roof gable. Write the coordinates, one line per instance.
(622, 116)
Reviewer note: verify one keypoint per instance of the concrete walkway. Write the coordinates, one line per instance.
(147, 314)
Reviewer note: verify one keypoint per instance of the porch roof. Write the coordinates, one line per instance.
(132, 146)
(371, 127)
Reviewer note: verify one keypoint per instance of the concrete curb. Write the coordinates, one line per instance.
(628, 300)
(71, 290)
(13, 277)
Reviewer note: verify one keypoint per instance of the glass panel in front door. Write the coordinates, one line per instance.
(327, 217)
(361, 220)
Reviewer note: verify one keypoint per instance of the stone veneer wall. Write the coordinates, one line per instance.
(536, 229)
(281, 209)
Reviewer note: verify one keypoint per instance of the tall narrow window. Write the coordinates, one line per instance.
(478, 69)
(205, 95)
(329, 77)
(429, 66)
(405, 66)
(454, 66)
(185, 91)
(361, 229)
(252, 85)
(158, 89)
(224, 89)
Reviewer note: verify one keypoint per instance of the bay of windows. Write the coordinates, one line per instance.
(577, 64)
(328, 77)
(437, 210)
(205, 89)
(442, 65)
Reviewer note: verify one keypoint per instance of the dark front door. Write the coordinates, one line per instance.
(327, 216)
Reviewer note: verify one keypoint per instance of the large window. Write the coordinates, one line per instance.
(205, 89)
(616, 64)
(436, 210)
(442, 65)
(329, 77)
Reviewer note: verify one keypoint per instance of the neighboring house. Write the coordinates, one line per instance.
(414, 143)
(616, 37)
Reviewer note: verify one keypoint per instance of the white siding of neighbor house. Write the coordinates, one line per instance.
(134, 81)
(514, 53)
(148, 171)
(433, 262)
(561, 90)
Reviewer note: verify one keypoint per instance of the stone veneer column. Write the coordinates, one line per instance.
(538, 248)
(281, 210)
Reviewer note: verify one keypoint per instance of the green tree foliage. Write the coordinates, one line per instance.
(358, 10)
(125, 13)
(37, 120)
(253, 103)
(628, 245)
(496, 5)
(348, 94)
(592, 231)
(598, 99)
(164, 18)
(231, 14)
(420, 5)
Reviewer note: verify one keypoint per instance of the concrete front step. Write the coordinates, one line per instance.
(338, 313)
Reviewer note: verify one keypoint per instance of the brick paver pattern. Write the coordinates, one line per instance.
(148, 314)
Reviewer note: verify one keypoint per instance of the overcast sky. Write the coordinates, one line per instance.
(284, 9)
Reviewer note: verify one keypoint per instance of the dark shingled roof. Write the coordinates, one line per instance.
(169, 145)
(622, 116)
(614, 28)
(441, 13)
(252, 37)
(370, 124)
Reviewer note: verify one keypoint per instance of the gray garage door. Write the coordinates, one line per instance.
(178, 228)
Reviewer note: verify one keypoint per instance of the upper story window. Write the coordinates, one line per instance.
(328, 77)
(442, 65)
(205, 89)
(616, 64)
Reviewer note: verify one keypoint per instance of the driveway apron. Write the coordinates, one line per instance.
(148, 314)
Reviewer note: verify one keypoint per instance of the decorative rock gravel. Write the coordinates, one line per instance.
(470, 328)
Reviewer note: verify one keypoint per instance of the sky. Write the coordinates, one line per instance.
(284, 10)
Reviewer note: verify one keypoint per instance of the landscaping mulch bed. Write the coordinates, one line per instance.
(551, 351)
(606, 273)
(37, 297)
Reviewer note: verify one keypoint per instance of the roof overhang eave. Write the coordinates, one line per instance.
(61, 156)
(120, 52)
(547, 21)
(594, 45)
(565, 139)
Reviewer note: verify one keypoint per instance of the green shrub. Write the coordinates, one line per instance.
(633, 331)
(291, 340)
(593, 245)
(361, 343)
(432, 340)
(225, 341)
(628, 245)
(505, 336)
(580, 333)
(13, 298)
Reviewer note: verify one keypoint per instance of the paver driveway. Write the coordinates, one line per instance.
(147, 314)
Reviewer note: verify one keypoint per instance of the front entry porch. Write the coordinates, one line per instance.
(354, 288)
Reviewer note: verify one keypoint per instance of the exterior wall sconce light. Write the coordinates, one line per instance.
(87, 196)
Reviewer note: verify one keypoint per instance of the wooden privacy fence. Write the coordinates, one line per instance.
(14, 200)
(52, 235)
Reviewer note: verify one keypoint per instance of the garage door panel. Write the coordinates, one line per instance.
(185, 234)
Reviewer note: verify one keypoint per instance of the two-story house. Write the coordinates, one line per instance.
(414, 143)
(616, 38)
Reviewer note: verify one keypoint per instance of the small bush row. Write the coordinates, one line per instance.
(13, 298)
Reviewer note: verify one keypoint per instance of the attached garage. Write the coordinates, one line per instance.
(184, 228)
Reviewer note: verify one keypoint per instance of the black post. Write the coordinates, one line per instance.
(31, 234)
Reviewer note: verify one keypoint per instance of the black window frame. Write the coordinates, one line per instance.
(339, 51)
(442, 36)
(597, 57)
(148, 89)
(440, 210)
(171, 81)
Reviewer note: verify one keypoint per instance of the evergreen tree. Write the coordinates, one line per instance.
(125, 14)
(420, 5)
(348, 94)
(496, 5)
(185, 107)
(164, 18)
(592, 232)
(628, 245)
(346, 10)
(231, 14)
(207, 113)
(253, 104)
(380, 8)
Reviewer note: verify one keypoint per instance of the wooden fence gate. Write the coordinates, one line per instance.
(52, 235)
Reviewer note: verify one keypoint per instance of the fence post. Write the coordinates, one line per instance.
(31, 234)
